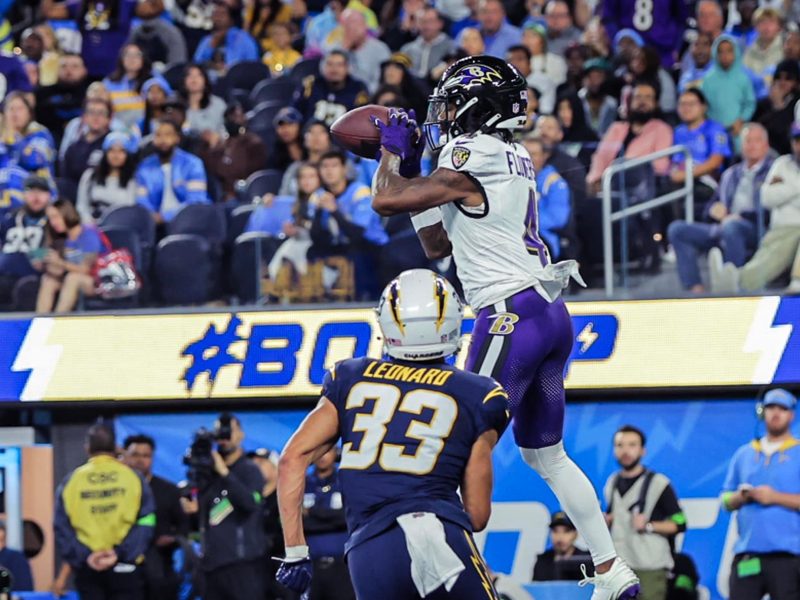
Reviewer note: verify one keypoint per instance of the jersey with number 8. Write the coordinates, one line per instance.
(407, 431)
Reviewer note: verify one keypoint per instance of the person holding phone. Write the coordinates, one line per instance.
(71, 251)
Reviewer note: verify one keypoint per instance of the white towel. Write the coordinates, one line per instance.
(293, 250)
(433, 561)
(554, 278)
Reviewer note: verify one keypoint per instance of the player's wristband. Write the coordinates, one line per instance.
(296, 552)
(426, 218)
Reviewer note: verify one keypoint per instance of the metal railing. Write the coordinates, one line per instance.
(610, 217)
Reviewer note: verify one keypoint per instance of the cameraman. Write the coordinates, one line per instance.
(228, 506)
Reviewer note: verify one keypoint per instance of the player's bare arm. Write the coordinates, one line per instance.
(316, 435)
(476, 486)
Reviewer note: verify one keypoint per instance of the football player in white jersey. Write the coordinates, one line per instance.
(480, 206)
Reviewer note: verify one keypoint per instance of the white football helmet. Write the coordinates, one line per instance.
(420, 316)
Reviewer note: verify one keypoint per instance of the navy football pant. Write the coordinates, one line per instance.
(380, 568)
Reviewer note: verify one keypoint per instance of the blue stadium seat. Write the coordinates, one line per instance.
(245, 76)
(237, 221)
(273, 90)
(183, 269)
(259, 121)
(267, 181)
(303, 68)
(205, 220)
(135, 217)
(250, 252)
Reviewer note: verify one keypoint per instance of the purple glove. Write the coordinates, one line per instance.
(400, 136)
(397, 136)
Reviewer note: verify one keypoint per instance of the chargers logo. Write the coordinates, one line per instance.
(595, 338)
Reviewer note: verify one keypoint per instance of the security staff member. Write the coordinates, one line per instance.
(763, 487)
(326, 531)
(231, 519)
(643, 513)
(104, 522)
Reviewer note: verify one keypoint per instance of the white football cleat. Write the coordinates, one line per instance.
(618, 583)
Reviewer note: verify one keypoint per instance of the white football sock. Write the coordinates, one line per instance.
(576, 496)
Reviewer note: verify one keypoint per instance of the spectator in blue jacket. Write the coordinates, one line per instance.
(226, 45)
(344, 224)
(734, 219)
(15, 561)
(554, 206)
(170, 178)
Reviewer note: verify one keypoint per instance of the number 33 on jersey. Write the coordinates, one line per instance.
(407, 430)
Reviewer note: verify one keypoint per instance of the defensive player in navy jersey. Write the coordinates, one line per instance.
(481, 206)
(414, 430)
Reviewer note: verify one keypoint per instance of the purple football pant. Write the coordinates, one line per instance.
(524, 342)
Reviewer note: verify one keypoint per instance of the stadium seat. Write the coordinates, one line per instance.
(267, 181)
(135, 217)
(67, 189)
(306, 67)
(259, 121)
(273, 90)
(237, 221)
(245, 76)
(174, 75)
(24, 293)
(251, 253)
(183, 269)
(206, 220)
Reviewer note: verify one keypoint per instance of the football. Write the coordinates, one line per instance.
(354, 130)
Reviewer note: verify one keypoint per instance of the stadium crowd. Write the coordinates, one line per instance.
(169, 152)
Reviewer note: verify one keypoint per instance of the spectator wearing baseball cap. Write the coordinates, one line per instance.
(779, 249)
(763, 488)
(777, 109)
(22, 236)
(563, 560)
(289, 143)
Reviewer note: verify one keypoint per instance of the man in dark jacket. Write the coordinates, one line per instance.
(87, 150)
(548, 129)
(61, 102)
(235, 157)
(230, 516)
(776, 111)
(328, 96)
(735, 221)
(161, 581)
